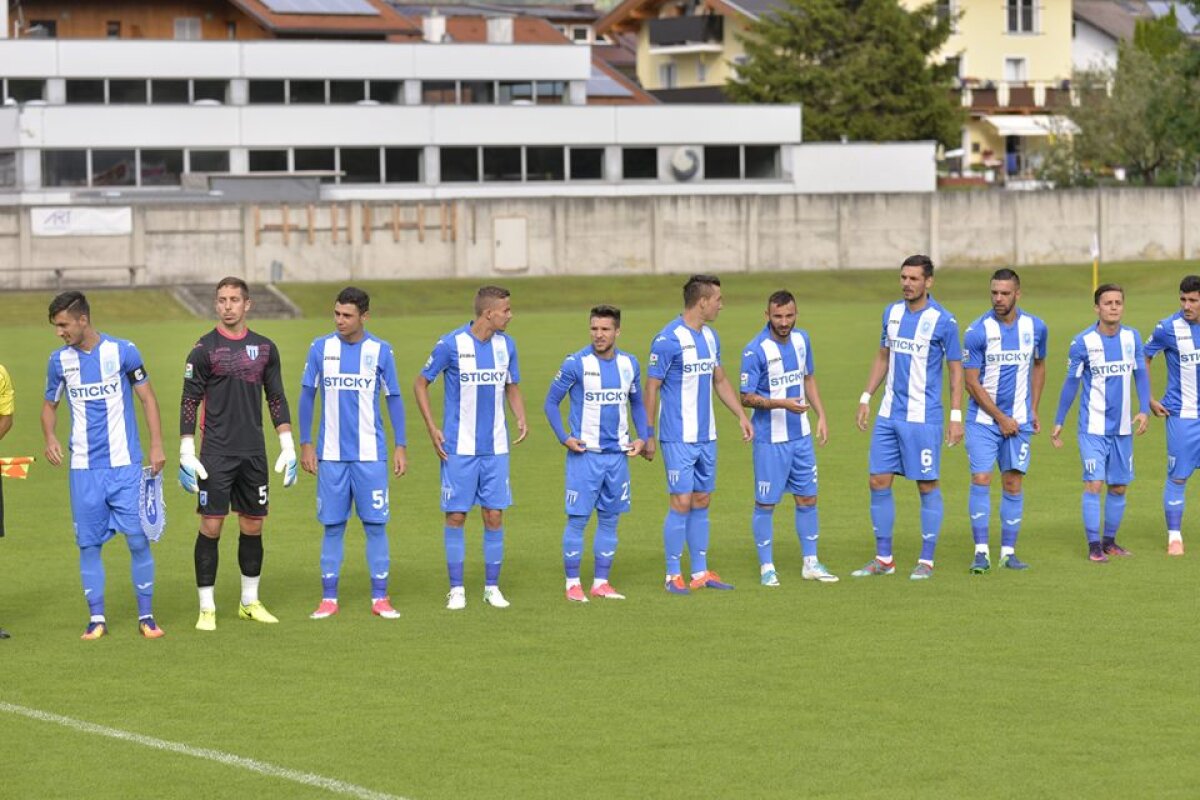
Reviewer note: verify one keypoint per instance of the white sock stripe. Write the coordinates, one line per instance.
(270, 770)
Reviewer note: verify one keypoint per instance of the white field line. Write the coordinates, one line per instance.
(228, 759)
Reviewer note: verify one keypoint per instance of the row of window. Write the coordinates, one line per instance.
(357, 165)
(141, 91)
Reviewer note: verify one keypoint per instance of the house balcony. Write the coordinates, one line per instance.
(985, 97)
(691, 34)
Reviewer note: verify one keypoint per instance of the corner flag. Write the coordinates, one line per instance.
(13, 467)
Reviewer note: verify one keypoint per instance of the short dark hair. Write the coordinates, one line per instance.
(780, 298)
(1006, 274)
(698, 286)
(231, 280)
(72, 302)
(1104, 288)
(486, 294)
(1189, 284)
(924, 262)
(352, 295)
(607, 312)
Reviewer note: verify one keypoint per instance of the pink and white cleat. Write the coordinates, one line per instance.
(383, 608)
(606, 591)
(575, 594)
(327, 609)
(1175, 548)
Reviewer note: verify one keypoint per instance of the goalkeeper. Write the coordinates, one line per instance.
(228, 371)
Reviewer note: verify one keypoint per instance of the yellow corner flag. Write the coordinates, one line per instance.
(15, 466)
(1095, 261)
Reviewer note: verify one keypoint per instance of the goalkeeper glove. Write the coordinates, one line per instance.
(189, 466)
(286, 463)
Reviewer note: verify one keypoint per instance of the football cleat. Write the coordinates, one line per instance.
(769, 578)
(326, 609)
(256, 612)
(382, 607)
(1012, 562)
(1114, 549)
(818, 572)
(95, 630)
(207, 620)
(982, 564)
(4, 634)
(709, 580)
(149, 628)
(675, 585)
(493, 597)
(456, 600)
(575, 594)
(875, 567)
(1175, 548)
(921, 572)
(606, 591)
(1096, 554)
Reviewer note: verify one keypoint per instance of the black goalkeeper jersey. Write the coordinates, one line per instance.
(229, 377)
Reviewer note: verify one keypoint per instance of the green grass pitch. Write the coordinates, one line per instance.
(1071, 680)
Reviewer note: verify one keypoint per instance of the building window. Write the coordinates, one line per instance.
(112, 29)
(478, 92)
(946, 11)
(502, 164)
(168, 91)
(188, 28)
(85, 91)
(306, 92)
(161, 167)
(667, 76)
(127, 92)
(520, 92)
(587, 163)
(436, 93)
(390, 92)
(459, 164)
(701, 71)
(231, 30)
(64, 168)
(267, 92)
(208, 161)
(1021, 16)
(551, 93)
(581, 34)
(403, 165)
(23, 90)
(347, 91)
(639, 163)
(268, 160)
(210, 90)
(359, 165)
(1015, 70)
(762, 161)
(8, 169)
(544, 164)
(315, 159)
(41, 29)
(114, 168)
(723, 162)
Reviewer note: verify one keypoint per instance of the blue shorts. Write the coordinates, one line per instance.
(364, 482)
(911, 449)
(1183, 447)
(469, 481)
(104, 501)
(784, 466)
(1107, 458)
(598, 481)
(987, 448)
(690, 467)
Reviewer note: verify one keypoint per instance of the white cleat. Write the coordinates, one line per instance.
(818, 572)
(493, 597)
(456, 600)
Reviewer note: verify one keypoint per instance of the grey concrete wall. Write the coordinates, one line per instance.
(614, 236)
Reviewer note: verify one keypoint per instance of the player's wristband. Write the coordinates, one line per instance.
(650, 432)
(955, 415)
(865, 399)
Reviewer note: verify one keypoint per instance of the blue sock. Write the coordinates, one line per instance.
(493, 555)
(1091, 516)
(697, 539)
(883, 519)
(807, 530)
(674, 535)
(1114, 511)
(332, 549)
(763, 528)
(379, 558)
(931, 522)
(572, 544)
(141, 567)
(91, 572)
(456, 552)
(605, 545)
(1173, 503)
(1012, 507)
(980, 509)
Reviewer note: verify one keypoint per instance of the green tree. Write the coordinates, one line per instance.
(861, 69)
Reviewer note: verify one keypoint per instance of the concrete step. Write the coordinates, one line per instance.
(268, 301)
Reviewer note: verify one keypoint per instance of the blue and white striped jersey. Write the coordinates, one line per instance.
(1004, 355)
(774, 370)
(600, 391)
(476, 373)
(98, 386)
(350, 379)
(917, 342)
(684, 360)
(1178, 339)
(1108, 366)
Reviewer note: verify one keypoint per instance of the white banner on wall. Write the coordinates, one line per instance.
(81, 221)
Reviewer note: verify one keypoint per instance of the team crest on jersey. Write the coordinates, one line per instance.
(369, 361)
(626, 373)
(926, 327)
(1129, 351)
(252, 352)
(109, 368)
(1027, 339)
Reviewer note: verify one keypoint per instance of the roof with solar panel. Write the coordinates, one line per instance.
(350, 18)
